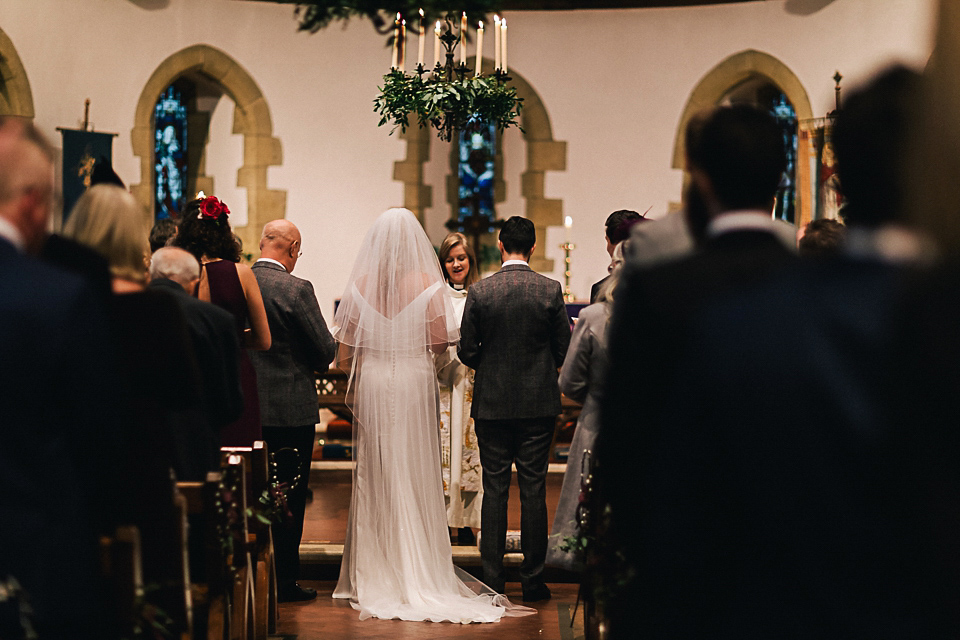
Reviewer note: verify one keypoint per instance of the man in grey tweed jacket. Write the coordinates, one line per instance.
(286, 381)
(515, 334)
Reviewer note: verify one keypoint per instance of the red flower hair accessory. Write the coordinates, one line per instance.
(211, 207)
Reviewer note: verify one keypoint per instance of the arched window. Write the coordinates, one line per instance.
(475, 170)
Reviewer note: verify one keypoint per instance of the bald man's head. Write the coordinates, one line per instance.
(280, 241)
(26, 180)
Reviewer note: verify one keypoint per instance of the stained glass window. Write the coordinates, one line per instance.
(786, 194)
(477, 152)
(170, 153)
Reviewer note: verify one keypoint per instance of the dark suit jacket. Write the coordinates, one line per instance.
(779, 496)
(301, 347)
(57, 440)
(213, 334)
(515, 334)
(649, 329)
(595, 289)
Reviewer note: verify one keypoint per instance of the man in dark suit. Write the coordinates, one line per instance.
(515, 334)
(616, 229)
(56, 438)
(811, 501)
(213, 336)
(286, 380)
(736, 157)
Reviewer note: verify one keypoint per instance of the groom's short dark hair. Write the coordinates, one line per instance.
(518, 235)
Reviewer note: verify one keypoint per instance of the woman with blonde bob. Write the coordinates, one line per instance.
(459, 451)
(108, 219)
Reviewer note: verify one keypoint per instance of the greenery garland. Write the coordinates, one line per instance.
(447, 105)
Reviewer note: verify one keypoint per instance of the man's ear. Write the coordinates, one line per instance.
(532, 249)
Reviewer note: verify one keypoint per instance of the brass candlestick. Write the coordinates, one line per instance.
(567, 248)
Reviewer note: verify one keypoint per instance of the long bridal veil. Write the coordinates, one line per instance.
(397, 560)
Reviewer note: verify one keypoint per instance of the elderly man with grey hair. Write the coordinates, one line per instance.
(213, 333)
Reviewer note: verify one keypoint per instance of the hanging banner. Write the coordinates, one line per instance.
(81, 150)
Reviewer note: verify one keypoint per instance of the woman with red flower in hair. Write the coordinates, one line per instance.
(205, 232)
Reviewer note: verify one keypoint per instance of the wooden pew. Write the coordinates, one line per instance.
(122, 578)
(260, 480)
(210, 572)
(243, 613)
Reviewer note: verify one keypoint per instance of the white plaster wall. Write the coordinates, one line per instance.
(614, 84)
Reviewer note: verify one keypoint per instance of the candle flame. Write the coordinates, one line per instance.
(398, 16)
(421, 13)
(568, 222)
(503, 22)
(496, 18)
(481, 25)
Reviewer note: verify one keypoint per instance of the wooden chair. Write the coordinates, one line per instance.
(259, 483)
(210, 573)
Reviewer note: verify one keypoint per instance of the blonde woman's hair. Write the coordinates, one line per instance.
(449, 243)
(606, 291)
(108, 219)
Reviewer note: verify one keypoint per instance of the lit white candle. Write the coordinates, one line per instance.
(479, 48)
(496, 41)
(503, 43)
(396, 38)
(567, 223)
(420, 41)
(403, 45)
(463, 39)
(436, 45)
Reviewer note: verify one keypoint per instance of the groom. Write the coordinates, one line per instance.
(515, 334)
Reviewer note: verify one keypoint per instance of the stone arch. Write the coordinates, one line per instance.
(731, 72)
(251, 118)
(543, 154)
(16, 98)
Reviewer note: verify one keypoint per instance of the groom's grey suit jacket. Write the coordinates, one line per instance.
(515, 333)
(301, 346)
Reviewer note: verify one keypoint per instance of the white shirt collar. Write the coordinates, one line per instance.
(743, 220)
(523, 262)
(273, 261)
(11, 233)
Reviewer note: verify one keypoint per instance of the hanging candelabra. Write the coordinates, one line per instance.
(448, 97)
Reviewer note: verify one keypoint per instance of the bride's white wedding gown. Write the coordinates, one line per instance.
(397, 560)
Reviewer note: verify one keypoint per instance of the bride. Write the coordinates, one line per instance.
(397, 560)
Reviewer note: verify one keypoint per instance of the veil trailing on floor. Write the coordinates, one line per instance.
(397, 560)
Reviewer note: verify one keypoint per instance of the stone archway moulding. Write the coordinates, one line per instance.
(16, 98)
(543, 154)
(731, 72)
(251, 118)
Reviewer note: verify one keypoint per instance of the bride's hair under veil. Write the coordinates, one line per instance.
(396, 264)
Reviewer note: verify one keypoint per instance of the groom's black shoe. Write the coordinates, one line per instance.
(295, 593)
(536, 594)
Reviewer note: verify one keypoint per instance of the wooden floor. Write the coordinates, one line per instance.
(329, 619)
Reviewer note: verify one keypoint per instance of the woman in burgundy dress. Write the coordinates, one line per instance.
(205, 232)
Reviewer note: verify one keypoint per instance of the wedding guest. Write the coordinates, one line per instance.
(287, 382)
(580, 380)
(153, 352)
(57, 393)
(616, 229)
(736, 157)
(161, 234)
(205, 232)
(459, 451)
(214, 340)
(820, 238)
